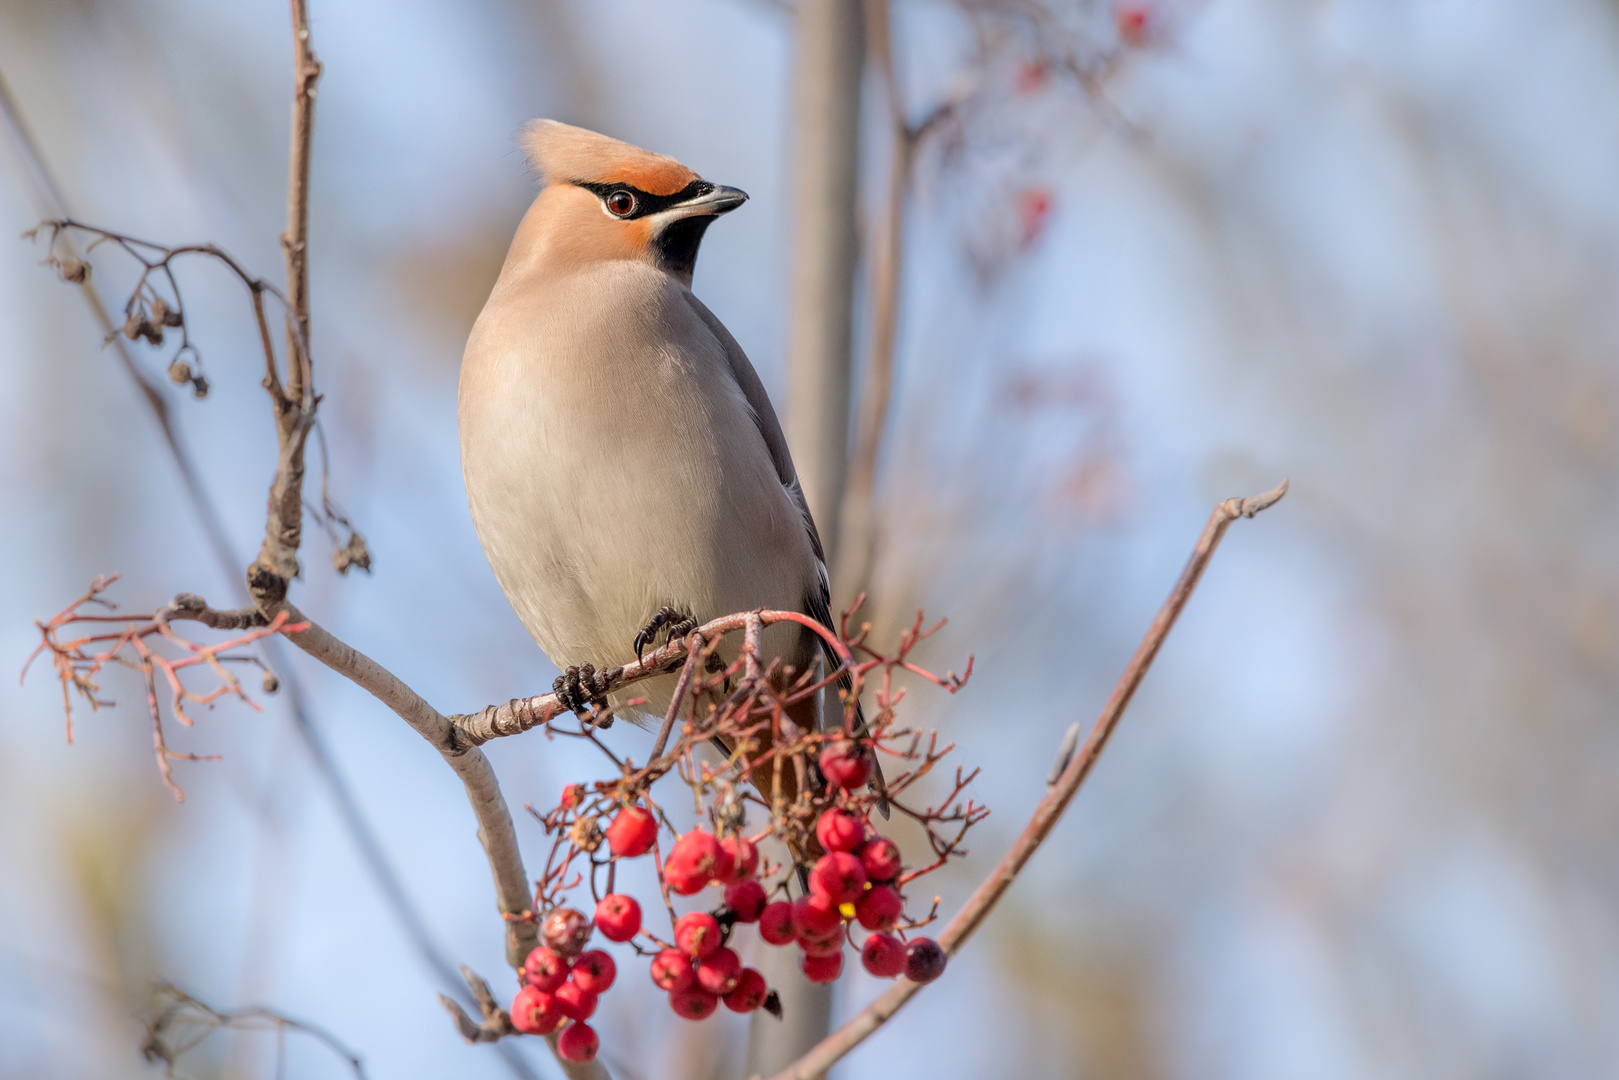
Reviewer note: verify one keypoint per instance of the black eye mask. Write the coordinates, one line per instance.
(645, 202)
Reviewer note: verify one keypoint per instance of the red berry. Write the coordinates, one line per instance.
(594, 971)
(574, 1001)
(815, 916)
(846, 764)
(822, 946)
(697, 934)
(693, 1004)
(838, 831)
(838, 876)
(566, 931)
(718, 971)
(880, 856)
(545, 970)
(672, 971)
(693, 862)
(883, 955)
(821, 969)
(573, 795)
(747, 899)
(924, 960)
(880, 908)
(632, 832)
(776, 923)
(749, 993)
(1133, 21)
(744, 859)
(618, 917)
(535, 1012)
(578, 1042)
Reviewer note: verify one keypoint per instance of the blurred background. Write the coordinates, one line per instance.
(1360, 821)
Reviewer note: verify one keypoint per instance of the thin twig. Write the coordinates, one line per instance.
(983, 900)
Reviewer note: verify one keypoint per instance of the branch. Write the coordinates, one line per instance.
(831, 1049)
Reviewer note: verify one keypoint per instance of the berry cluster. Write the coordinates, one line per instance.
(820, 790)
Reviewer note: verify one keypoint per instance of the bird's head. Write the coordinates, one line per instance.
(605, 199)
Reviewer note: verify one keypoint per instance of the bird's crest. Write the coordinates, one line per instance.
(564, 154)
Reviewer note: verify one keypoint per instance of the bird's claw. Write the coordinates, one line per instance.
(668, 623)
(580, 688)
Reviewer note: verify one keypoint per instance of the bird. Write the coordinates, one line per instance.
(624, 467)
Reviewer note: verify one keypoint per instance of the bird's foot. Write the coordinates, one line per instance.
(582, 688)
(669, 624)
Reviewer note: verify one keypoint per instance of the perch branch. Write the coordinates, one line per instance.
(972, 915)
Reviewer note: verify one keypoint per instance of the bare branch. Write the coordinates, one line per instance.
(181, 1022)
(983, 900)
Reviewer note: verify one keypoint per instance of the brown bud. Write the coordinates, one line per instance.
(74, 270)
(270, 683)
(566, 931)
(179, 372)
(586, 834)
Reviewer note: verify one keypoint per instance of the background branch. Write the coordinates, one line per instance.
(1056, 800)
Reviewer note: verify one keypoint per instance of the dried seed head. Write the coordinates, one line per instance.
(132, 326)
(270, 683)
(353, 554)
(180, 372)
(199, 387)
(73, 269)
(586, 834)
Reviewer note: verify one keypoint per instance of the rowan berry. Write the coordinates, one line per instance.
(846, 764)
(880, 856)
(747, 899)
(535, 1012)
(822, 945)
(880, 908)
(573, 795)
(672, 971)
(578, 1042)
(776, 923)
(744, 858)
(821, 969)
(697, 934)
(838, 831)
(815, 916)
(574, 1001)
(545, 969)
(694, 1003)
(883, 955)
(838, 876)
(749, 993)
(566, 931)
(594, 971)
(618, 917)
(718, 971)
(632, 832)
(693, 862)
(924, 960)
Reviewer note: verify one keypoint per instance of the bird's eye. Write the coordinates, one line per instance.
(621, 203)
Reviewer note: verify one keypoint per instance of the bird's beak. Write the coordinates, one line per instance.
(712, 203)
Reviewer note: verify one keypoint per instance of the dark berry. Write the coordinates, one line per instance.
(924, 960)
